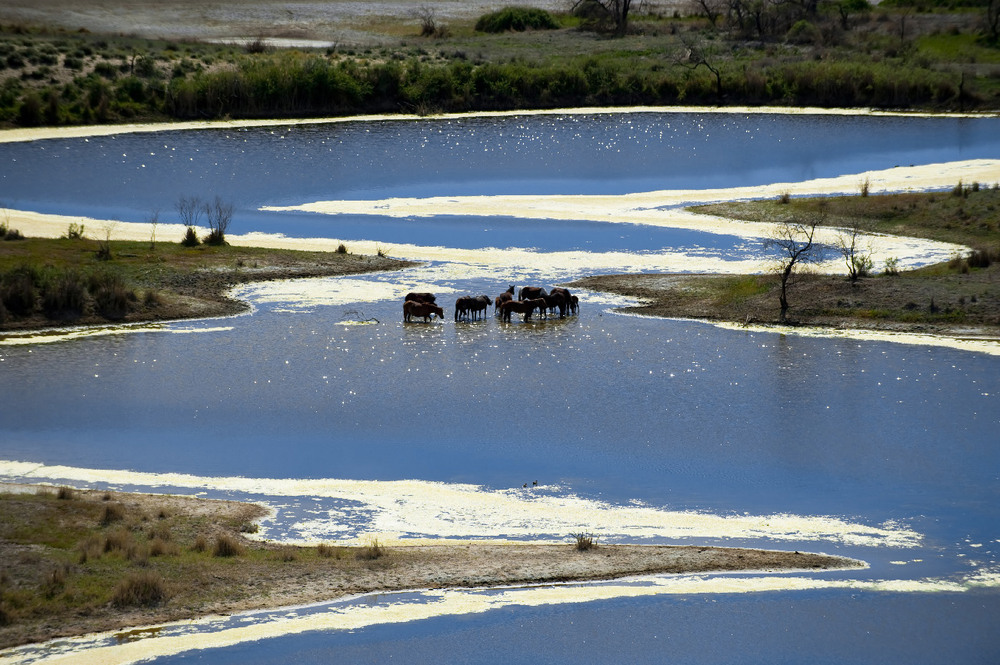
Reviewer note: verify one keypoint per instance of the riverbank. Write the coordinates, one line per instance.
(59, 282)
(959, 298)
(168, 61)
(74, 560)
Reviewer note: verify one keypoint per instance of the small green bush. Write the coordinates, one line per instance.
(65, 296)
(112, 299)
(517, 19)
(190, 238)
(17, 291)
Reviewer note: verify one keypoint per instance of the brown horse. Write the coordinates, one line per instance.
(421, 297)
(530, 293)
(462, 306)
(413, 308)
(525, 307)
(506, 296)
(479, 306)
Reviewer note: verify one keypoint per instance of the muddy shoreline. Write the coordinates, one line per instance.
(267, 575)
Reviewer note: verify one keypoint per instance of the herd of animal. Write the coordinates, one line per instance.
(530, 299)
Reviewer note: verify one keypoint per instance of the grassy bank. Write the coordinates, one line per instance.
(958, 297)
(76, 562)
(81, 281)
(833, 54)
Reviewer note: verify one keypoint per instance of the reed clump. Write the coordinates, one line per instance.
(142, 588)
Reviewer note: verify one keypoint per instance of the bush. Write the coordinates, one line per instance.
(74, 232)
(584, 542)
(17, 291)
(226, 546)
(144, 588)
(190, 238)
(64, 297)
(112, 299)
(516, 18)
(373, 551)
(113, 512)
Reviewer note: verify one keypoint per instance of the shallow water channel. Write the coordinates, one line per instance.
(323, 404)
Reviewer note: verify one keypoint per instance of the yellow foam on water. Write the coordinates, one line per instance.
(405, 508)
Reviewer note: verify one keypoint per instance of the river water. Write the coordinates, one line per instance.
(350, 423)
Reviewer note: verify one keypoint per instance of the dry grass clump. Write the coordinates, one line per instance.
(113, 512)
(372, 551)
(226, 546)
(584, 542)
(65, 494)
(140, 589)
(200, 544)
(330, 552)
(160, 547)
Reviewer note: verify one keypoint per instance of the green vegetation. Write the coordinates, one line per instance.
(841, 53)
(46, 282)
(959, 293)
(517, 19)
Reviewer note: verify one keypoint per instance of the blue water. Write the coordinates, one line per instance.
(670, 413)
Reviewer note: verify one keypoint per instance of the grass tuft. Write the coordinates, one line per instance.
(140, 589)
(584, 542)
(372, 552)
(227, 546)
(113, 512)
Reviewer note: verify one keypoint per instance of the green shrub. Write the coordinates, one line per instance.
(143, 589)
(74, 232)
(112, 299)
(17, 291)
(516, 18)
(190, 238)
(64, 296)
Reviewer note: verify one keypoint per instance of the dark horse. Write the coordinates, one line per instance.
(530, 293)
(471, 305)
(506, 296)
(525, 307)
(421, 297)
(413, 308)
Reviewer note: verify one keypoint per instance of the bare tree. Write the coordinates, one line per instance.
(795, 244)
(104, 245)
(991, 20)
(190, 209)
(856, 252)
(710, 9)
(153, 220)
(219, 215)
(694, 56)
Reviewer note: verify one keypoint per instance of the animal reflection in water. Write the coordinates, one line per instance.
(530, 299)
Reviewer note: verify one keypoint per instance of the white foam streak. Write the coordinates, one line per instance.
(404, 509)
(987, 345)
